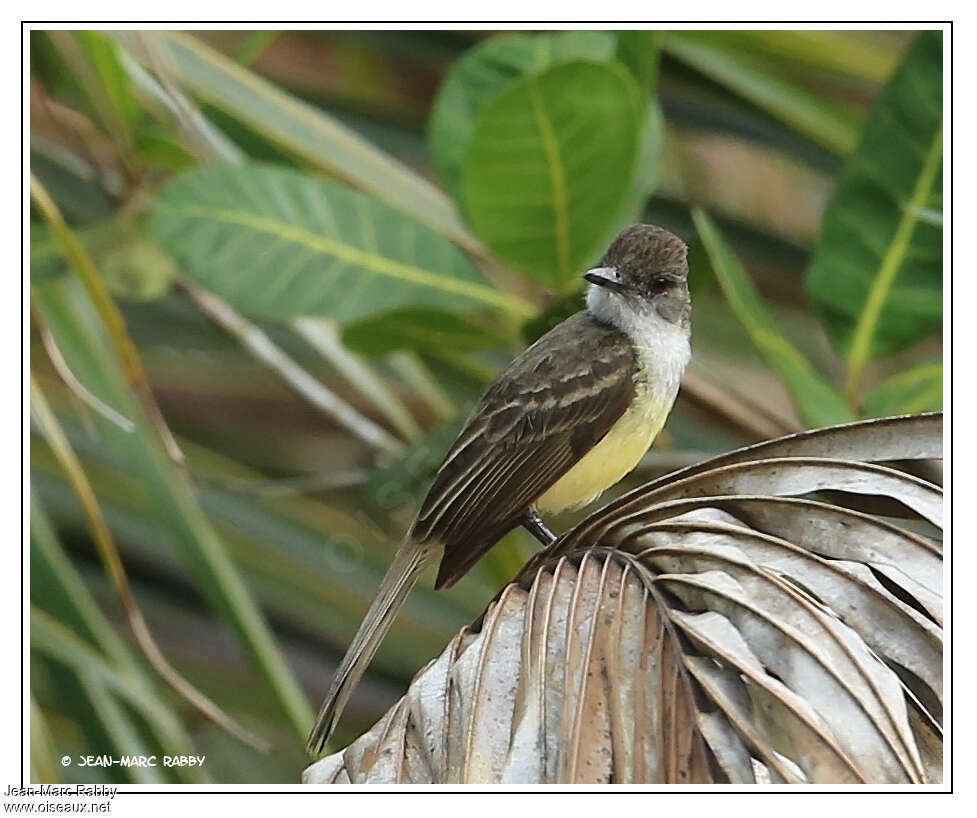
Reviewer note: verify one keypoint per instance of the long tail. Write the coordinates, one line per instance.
(409, 561)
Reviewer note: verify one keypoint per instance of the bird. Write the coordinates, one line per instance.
(565, 420)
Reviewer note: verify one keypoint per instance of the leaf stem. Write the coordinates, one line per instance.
(557, 179)
(253, 338)
(323, 336)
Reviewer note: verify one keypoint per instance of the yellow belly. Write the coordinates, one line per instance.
(617, 454)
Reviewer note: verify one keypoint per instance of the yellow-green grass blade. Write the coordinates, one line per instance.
(817, 401)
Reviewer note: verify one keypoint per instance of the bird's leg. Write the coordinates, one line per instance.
(534, 524)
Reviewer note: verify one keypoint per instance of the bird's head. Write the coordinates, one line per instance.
(645, 269)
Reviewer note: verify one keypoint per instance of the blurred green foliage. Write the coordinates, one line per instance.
(288, 178)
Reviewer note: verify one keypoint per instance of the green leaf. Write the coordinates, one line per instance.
(253, 43)
(163, 150)
(298, 127)
(550, 164)
(877, 273)
(279, 244)
(640, 52)
(919, 389)
(422, 329)
(817, 402)
(824, 122)
(483, 73)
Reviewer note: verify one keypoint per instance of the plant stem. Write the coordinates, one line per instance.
(265, 350)
(323, 336)
(411, 368)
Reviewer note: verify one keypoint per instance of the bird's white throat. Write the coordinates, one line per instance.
(662, 348)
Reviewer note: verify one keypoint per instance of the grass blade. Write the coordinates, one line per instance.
(52, 639)
(57, 588)
(109, 555)
(84, 339)
(821, 120)
(847, 53)
(43, 768)
(818, 403)
(919, 389)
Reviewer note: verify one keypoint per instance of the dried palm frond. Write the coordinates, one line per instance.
(738, 620)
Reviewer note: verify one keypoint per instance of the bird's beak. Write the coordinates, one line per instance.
(607, 278)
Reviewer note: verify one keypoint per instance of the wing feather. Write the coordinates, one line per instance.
(541, 415)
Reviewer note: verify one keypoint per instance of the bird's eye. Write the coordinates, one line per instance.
(660, 283)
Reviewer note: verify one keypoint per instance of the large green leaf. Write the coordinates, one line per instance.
(279, 244)
(550, 164)
(483, 73)
(296, 126)
(817, 402)
(876, 275)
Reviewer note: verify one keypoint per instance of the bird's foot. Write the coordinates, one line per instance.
(534, 524)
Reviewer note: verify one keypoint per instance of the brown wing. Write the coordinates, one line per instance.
(547, 409)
